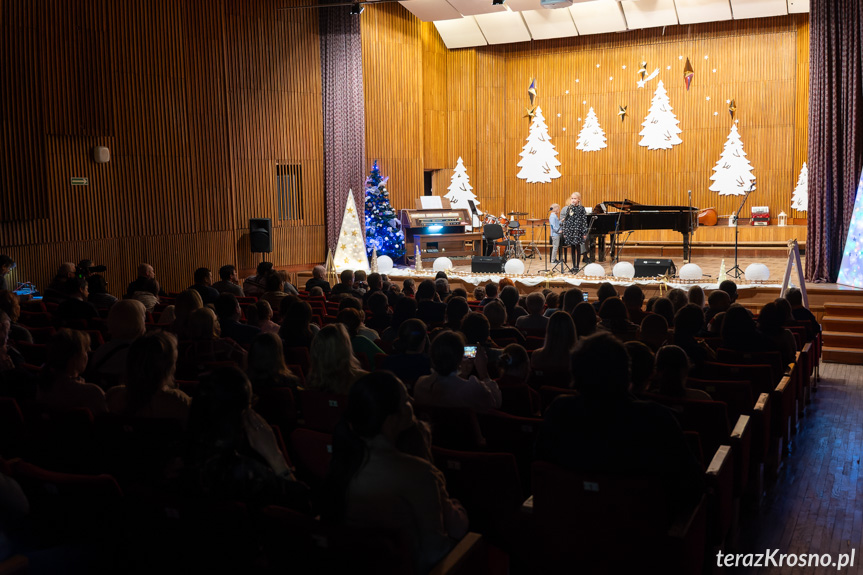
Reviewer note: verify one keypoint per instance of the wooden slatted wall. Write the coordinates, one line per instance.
(198, 101)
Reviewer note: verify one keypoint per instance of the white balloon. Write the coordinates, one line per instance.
(385, 264)
(440, 264)
(687, 272)
(514, 266)
(594, 270)
(757, 273)
(621, 270)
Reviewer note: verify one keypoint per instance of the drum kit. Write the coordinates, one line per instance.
(514, 232)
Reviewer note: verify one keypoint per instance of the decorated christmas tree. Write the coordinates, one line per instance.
(732, 174)
(591, 138)
(350, 250)
(460, 190)
(851, 269)
(800, 198)
(660, 126)
(538, 163)
(383, 229)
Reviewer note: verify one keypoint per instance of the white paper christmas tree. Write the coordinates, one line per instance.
(591, 138)
(732, 174)
(660, 126)
(538, 163)
(460, 190)
(351, 249)
(800, 198)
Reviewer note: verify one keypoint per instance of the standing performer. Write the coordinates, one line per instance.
(554, 223)
(574, 223)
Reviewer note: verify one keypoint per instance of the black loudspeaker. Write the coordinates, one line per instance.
(654, 267)
(486, 264)
(261, 235)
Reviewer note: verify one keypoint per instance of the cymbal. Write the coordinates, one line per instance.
(517, 214)
(534, 220)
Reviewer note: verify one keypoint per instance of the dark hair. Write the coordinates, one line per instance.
(97, 284)
(571, 299)
(509, 297)
(641, 362)
(770, 319)
(440, 275)
(664, 307)
(405, 309)
(447, 351)
(263, 269)
(378, 303)
(730, 288)
(226, 305)
(794, 296)
(274, 283)
(738, 328)
(456, 310)
(650, 303)
(633, 295)
(216, 415)
(10, 304)
(613, 309)
(678, 298)
(225, 272)
(201, 274)
(671, 360)
(297, 320)
(491, 290)
(346, 276)
(150, 366)
(374, 280)
(426, 290)
(600, 367)
(412, 335)
(688, 321)
(62, 348)
(351, 318)
(460, 292)
(475, 328)
(350, 302)
(584, 317)
(605, 290)
(74, 285)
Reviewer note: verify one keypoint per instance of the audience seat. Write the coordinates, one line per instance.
(320, 410)
(35, 319)
(11, 428)
(278, 407)
(299, 356)
(41, 334)
(60, 440)
(548, 394)
(136, 449)
(311, 451)
(452, 427)
(511, 434)
(34, 353)
(521, 400)
(33, 306)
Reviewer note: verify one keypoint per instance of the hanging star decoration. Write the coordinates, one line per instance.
(622, 112)
(642, 72)
(531, 92)
(688, 73)
(641, 83)
(732, 107)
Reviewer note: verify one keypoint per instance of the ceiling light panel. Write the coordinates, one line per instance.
(545, 24)
(462, 33)
(431, 10)
(697, 11)
(649, 13)
(798, 6)
(598, 17)
(474, 7)
(522, 5)
(503, 28)
(741, 9)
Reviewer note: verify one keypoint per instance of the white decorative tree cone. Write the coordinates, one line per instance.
(595, 271)
(757, 273)
(623, 270)
(385, 264)
(687, 272)
(440, 265)
(514, 267)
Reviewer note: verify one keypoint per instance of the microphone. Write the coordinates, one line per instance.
(551, 209)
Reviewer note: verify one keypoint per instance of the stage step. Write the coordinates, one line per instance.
(839, 323)
(842, 355)
(843, 309)
(843, 339)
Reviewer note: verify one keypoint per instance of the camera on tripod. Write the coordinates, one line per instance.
(86, 267)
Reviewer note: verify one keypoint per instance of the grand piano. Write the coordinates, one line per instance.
(614, 218)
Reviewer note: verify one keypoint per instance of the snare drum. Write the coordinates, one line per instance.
(517, 232)
(490, 219)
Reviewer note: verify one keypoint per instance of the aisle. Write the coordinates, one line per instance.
(816, 505)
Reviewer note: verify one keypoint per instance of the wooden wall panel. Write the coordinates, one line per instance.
(434, 89)
(801, 105)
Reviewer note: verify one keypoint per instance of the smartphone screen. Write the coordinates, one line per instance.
(469, 351)
(585, 296)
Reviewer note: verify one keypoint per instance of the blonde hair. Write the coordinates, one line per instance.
(127, 318)
(334, 367)
(202, 325)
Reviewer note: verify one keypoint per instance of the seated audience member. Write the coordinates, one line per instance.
(552, 303)
(503, 282)
(653, 331)
(678, 298)
(76, 306)
(449, 384)
(286, 283)
(441, 287)
(228, 312)
(15, 380)
(144, 282)
(405, 309)
(572, 298)
(334, 367)
(714, 328)
(605, 429)
(204, 346)
(456, 310)
(740, 333)
(584, 316)
(509, 298)
(204, 286)
(603, 292)
(56, 290)
(360, 283)
(346, 285)
(671, 372)
(633, 299)
(232, 453)
(393, 293)
(411, 358)
(285, 305)
(770, 324)
(649, 306)
(786, 314)
(688, 325)
(98, 292)
(614, 319)
(534, 322)
(7, 264)
(187, 302)
(147, 292)
(409, 287)
(255, 286)
(641, 363)
(475, 329)
(260, 315)
(354, 303)
(429, 307)
(490, 294)
(363, 347)
(458, 292)
(267, 368)
(376, 284)
(717, 302)
(664, 307)
(317, 280)
(553, 356)
(150, 390)
(514, 366)
(229, 282)
(496, 314)
(316, 292)
(696, 296)
(60, 385)
(801, 313)
(10, 305)
(275, 290)
(126, 323)
(379, 305)
(10, 358)
(374, 484)
(478, 293)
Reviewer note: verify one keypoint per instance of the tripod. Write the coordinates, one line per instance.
(546, 233)
(736, 272)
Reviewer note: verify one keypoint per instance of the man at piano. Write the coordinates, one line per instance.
(574, 224)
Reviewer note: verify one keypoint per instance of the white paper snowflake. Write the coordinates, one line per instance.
(597, 65)
(714, 70)
(706, 57)
(610, 78)
(708, 98)
(623, 67)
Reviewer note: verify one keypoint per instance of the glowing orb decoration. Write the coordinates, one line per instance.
(440, 264)
(385, 264)
(757, 273)
(687, 272)
(596, 271)
(623, 270)
(514, 267)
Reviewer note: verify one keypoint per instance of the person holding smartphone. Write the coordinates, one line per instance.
(574, 225)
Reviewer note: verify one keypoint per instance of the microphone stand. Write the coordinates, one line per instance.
(736, 272)
(547, 233)
(564, 267)
(687, 249)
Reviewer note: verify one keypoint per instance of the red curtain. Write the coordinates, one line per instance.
(835, 131)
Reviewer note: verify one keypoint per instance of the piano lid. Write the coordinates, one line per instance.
(630, 206)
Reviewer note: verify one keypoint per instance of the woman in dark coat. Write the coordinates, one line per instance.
(573, 220)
